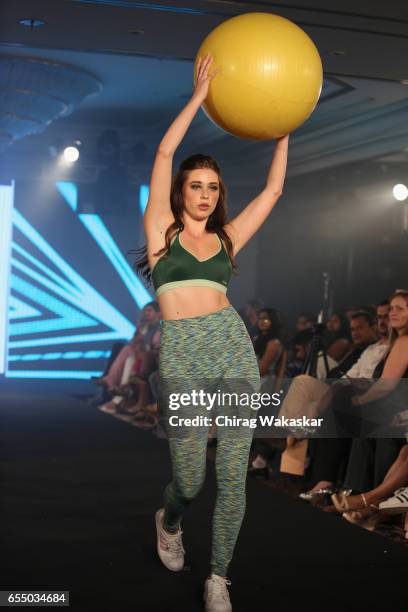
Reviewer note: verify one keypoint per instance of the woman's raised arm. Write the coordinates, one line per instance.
(158, 206)
(247, 222)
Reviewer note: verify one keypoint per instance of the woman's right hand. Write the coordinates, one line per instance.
(204, 77)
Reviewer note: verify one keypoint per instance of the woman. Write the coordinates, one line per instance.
(268, 349)
(379, 404)
(191, 248)
(267, 344)
(337, 337)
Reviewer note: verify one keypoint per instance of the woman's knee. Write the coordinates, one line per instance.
(403, 454)
(189, 489)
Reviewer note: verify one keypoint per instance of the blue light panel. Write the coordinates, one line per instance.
(70, 286)
(143, 197)
(100, 233)
(51, 297)
(6, 215)
(21, 310)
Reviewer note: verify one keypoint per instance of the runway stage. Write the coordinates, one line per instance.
(79, 490)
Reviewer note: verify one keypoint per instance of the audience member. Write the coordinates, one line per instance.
(329, 455)
(337, 336)
(305, 320)
(268, 346)
(249, 314)
(378, 406)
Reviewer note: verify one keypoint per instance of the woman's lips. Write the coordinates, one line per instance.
(204, 206)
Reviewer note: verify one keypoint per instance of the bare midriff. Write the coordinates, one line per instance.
(187, 302)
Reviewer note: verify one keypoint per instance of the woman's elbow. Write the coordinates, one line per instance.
(164, 151)
(274, 194)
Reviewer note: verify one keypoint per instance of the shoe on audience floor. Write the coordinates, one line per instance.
(396, 504)
(109, 407)
(169, 546)
(216, 594)
(318, 497)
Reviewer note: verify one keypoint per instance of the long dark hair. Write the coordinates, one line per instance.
(215, 223)
(274, 332)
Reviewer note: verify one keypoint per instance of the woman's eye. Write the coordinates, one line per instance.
(195, 186)
(214, 188)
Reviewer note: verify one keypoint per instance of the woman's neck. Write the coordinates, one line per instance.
(194, 228)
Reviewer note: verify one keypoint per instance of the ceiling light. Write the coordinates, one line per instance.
(400, 192)
(71, 154)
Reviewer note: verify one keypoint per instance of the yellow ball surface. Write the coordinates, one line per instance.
(270, 76)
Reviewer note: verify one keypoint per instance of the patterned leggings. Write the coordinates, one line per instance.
(212, 353)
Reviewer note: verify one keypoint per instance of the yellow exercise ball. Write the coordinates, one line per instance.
(270, 76)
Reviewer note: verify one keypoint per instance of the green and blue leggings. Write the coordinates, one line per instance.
(214, 353)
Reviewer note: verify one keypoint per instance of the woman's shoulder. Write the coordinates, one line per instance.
(401, 343)
(229, 230)
(273, 343)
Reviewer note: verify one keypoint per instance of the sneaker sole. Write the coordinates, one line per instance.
(393, 510)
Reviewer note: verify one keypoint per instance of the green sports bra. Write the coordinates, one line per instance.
(180, 268)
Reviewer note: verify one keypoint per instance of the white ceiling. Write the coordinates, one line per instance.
(362, 114)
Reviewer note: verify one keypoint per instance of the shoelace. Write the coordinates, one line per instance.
(173, 544)
(219, 588)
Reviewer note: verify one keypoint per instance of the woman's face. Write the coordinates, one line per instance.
(201, 191)
(302, 323)
(399, 315)
(334, 323)
(149, 313)
(264, 321)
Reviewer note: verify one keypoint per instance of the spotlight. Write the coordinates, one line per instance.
(71, 154)
(71, 151)
(400, 192)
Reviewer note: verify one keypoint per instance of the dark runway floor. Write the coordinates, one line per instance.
(78, 494)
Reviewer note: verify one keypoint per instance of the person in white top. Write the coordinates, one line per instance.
(374, 353)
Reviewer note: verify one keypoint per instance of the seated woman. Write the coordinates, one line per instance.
(129, 359)
(268, 349)
(268, 346)
(337, 338)
(380, 404)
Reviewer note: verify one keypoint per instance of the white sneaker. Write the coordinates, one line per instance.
(396, 504)
(216, 594)
(169, 546)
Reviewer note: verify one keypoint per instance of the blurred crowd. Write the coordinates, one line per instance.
(350, 370)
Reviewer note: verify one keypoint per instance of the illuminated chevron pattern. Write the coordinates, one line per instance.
(21, 310)
(51, 305)
(6, 215)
